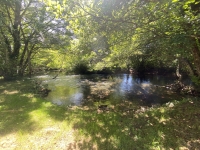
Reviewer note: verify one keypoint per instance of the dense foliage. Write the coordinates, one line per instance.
(27, 27)
(103, 34)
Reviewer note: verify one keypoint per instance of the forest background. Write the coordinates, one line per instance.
(85, 36)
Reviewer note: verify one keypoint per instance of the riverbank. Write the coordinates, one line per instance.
(30, 122)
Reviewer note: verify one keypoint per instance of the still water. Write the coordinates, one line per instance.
(86, 89)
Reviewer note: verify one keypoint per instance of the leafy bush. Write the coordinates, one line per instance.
(196, 80)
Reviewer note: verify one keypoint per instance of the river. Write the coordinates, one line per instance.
(88, 89)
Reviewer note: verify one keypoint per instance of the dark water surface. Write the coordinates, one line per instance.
(86, 89)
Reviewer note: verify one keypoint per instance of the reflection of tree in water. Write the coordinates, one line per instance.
(139, 88)
(85, 90)
(127, 78)
(140, 79)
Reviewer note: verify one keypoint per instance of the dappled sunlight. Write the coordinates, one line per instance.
(27, 119)
(30, 95)
(137, 75)
(163, 120)
(102, 125)
(154, 128)
(10, 92)
(193, 143)
(14, 117)
(85, 128)
(146, 85)
(52, 137)
(8, 141)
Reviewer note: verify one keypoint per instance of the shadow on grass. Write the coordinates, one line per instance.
(14, 113)
(18, 105)
(120, 127)
(168, 128)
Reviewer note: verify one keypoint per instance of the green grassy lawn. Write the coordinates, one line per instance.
(31, 122)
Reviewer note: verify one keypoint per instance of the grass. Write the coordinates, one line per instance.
(30, 122)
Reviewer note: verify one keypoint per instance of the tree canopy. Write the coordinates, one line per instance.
(26, 28)
(101, 33)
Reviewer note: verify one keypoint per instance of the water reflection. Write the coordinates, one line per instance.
(79, 89)
(134, 87)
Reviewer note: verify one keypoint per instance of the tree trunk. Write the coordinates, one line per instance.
(29, 64)
(188, 66)
(179, 76)
(16, 31)
(14, 44)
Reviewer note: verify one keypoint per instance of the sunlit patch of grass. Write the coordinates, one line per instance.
(29, 95)
(53, 137)
(162, 110)
(29, 122)
(80, 128)
(10, 92)
(163, 119)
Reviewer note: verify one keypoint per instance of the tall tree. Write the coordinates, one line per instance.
(166, 31)
(158, 32)
(26, 27)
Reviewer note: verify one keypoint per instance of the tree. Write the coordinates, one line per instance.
(165, 31)
(26, 27)
(161, 33)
